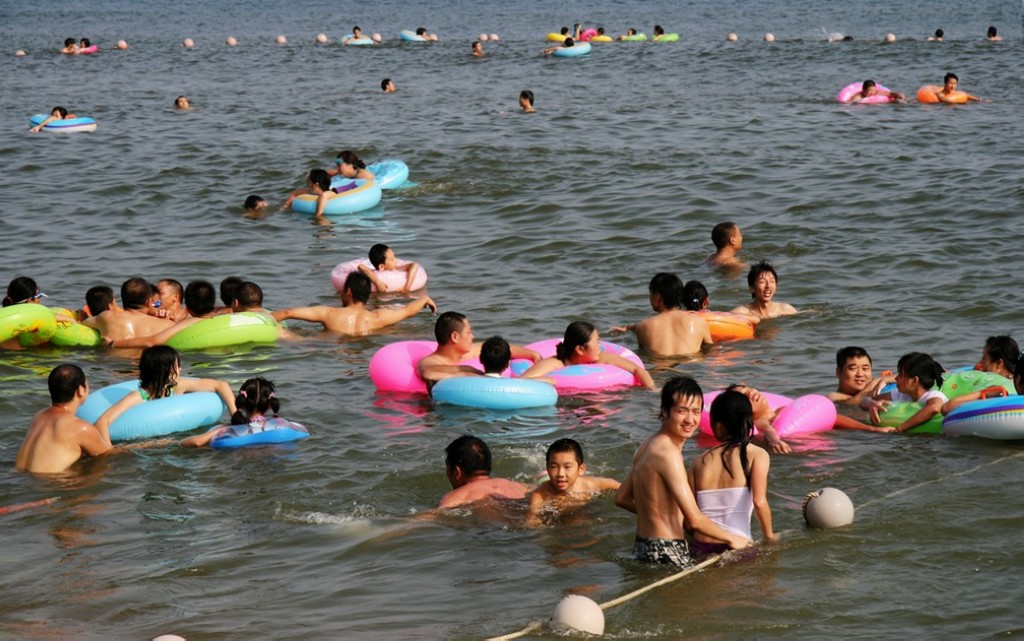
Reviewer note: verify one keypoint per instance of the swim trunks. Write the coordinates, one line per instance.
(669, 551)
(702, 550)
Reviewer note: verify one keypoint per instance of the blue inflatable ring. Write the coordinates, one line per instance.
(492, 393)
(274, 431)
(177, 413)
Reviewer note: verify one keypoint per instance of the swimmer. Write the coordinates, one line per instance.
(200, 301)
(171, 294)
(83, 45)
(656, 488)
(98, 299)
(763, 281)
(181, 103)
(478, 50)
(630, 32)
(22, 290)
(870, 88)
(949, 84)
(496, 354)
(56, 438)
(855, 378)
(254, 205)
(353, 319)
(387, 86)
(382, 258)
(422, 32)
(565, 45)
(134, 319)
(58, 113)
(467, 465)
(566, 485)
(256, 398)
(357, 34)
(248, 297)
(454, 337)
(318, 183)
(581, 345)
(730, 480)
(672, 331)
(764, 418)
(526, 101)
(992, 36)
(1000, 355)
(937, 37)
(159, 372)
(658, 31)
(728, 241)
(916, 375)
(348, 165)
(70, 46)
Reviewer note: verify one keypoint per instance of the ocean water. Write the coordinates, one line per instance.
(891, 227)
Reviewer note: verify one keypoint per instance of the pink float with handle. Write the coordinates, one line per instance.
(803, 415)
(393, 279)
(847, 93)
(582, 378)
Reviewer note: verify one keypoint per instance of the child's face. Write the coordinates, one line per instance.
(906, 384)
(564, 469)
(389, 260)
(854, 375)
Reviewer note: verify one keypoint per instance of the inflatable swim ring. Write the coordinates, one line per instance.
(226, 330)
(927, 94)
(954, 384)
(556, 37)
(88, 50)
(581, 378)
(587, 35)
(389, 173)
(726, 326)
(602, 39)
(68, 125)
(71, 333)
(410, 36)
(667, 37)
(394, 279)
(366, 194)
(803, 415)
(393, 367)
(996, 418)
(270, 432)
(487, 392)
(640, 37)
(849, 91)
(177, 413)
(575, 51)
(359, 42)
(31, 323)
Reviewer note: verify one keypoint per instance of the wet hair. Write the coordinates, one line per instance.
(867, 85)
(1003, 348)
(695, 295)
(950, 76)
(156, 365)
(350, 158)
(527, 95)
(569, 42)
(722, 233)
(923, 366)
(180, 99)
(320, 178)
(360, 285)
(631, 31)
(86, 43)
(447, 323)
(135, 293)
(669, 287)
(733, 410)
(991, 33)
(228, 287)
(98, 299)
(658, 31)
(847, 353)
(377, 255)
(468, 453)
(61, 111)
(249, 295)
(565, 445)
(200, 298)
(676, 388)
(600, 31)
(939, 33)
(495, 355)
(576, 334)
(255, 396)
(1018, 375)
(19, 290)
(355, 29)
(564, 31)
(847, 38)
(69, 41)
(175, 285)
(64, 381)
(757, 269)
(253, 201)
(384, 84)
(421, 31)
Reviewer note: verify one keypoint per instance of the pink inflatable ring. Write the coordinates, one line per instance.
(804, 415)
(393, 279)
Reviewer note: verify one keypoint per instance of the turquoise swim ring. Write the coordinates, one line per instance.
(176, 413)
(575, 51)
(365, 195)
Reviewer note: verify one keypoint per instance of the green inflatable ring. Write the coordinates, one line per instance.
(954, 384)
(640, 37)
(668, 37)
(226, 330)
(31, 323)
(71, 333)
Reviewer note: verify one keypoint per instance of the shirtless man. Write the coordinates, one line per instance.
(656, 489)
(728, 242)
(856, 380)
(353, 319)
(673, 331)
(468, 467)
(56, 438)
(171, 294)
(132, 321)
(763, 283)
(200, 301)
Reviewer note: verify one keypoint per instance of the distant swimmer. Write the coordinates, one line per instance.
(353, 319)
(870, 88)
(57, 113)
(992, 36)
(382, 258)
(856, 380)
(566, 44)
(349, 165)
(939, 33)
(728, 241)
(567, 486)
(56, 438)
(763, 282)
(656, 488)
(422, 32)
(478, 50)
(526, 101)
(467, 465)
(318, 183)
(387, 86)
(672, 331)
(951, 94)
(357, 34)
(70, 46)
(254, 205)
(631, 34)
(182, 103)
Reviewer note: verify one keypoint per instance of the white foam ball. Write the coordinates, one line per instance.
(281, 40)
(828, 508)
(19, 53)
(483, 37)
(168, 637)
(732, 37)
(494, 37)
(768, 37)
(376, 37)
(890, 37)
(321, 38)
(122, 45)
(577, 612)
(231, 41)
(187, 43)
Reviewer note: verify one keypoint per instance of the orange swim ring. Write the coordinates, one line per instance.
(729, 327)
(929, 94)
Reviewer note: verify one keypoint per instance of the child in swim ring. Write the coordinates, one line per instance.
(349, 165)
(58, 113)
(730, 481)
(256, 397)
(581, 345)
(70, 46)
(382, 258)
(916, 376)
(870, 88)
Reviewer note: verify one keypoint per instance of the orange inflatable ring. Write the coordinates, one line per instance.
(729, 327)
(928, 94)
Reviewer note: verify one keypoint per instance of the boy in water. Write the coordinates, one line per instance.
(70, 46)
(383, 257)
(672, 331)
(526, 101)
(856, 380)
(566, 485)
(728, 242)
(763, 282)
(387, 86)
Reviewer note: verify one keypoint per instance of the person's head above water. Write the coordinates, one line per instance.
(256, 396)
(668, 288)
(448, 325)
(695, 296)
(577, 338)
(495, 354)
(465, 458)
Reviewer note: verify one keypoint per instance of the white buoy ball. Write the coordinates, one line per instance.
(828, 508)
(494, 37)
(168, 637)
(577, 612)
(19, 53)
(187, 43)
(231, 42)
(768, 37)
(376, 37)
(122, 45)
(890, 37)
(281, 40)
(321, 38)
(483, 37)
(732, 37)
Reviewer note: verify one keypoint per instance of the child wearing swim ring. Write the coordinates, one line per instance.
(159, 371)
(350, 166)
(581, 345)
(916, 375)
(256, 398)
(382, 258)
(58, 113)
(730, 480)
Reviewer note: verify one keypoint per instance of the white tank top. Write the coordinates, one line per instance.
(730, 508)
